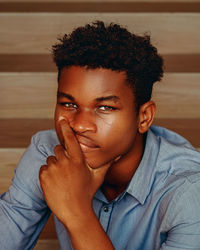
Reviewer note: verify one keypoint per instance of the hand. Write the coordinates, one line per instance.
(67, 181)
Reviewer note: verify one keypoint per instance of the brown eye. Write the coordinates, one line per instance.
(107, 108)
(69, 105)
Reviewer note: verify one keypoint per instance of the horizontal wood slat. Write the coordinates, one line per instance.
(47, 244)
(97, 1)
(27, 63)
(33, 95)
(26, 33)
(20, 135)
(182, 63)
(100, 6)
(178, 96)
(28, 95)
(17, 132)
(44, 63)
(9, 160)
(49, 231)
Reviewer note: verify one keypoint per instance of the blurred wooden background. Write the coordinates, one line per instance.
(28, 76)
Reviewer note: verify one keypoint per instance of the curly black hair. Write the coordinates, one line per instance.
(112, 47)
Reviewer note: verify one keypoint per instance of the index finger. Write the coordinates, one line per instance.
(71, 144)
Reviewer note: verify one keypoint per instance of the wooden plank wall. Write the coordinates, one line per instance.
(28, 76)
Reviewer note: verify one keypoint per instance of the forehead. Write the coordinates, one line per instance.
(80, 81)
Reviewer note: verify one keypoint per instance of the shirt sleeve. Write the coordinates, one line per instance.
(23, 210)
(183, 218)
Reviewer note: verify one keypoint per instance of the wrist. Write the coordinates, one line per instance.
(77, 219)
(86, 232)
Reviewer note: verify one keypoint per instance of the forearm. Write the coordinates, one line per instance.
(87, 233)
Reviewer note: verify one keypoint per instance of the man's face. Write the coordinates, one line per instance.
(100, 109)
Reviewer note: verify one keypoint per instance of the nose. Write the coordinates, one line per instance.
(83, 121)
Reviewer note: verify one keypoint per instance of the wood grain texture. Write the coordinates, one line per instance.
(49, 231)
(43, 63)
(33, 95)
(9, 160)
(27, 33)
(178, 96)
(16, 133)
(27, 63)
(99, 1)
(100, 6)
(28, 95)
(47, 244)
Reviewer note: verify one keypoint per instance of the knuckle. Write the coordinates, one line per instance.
(57, 148)
(42, 171)
(59, 151)
(51, 160)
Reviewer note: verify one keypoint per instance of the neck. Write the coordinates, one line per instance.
(120, 174)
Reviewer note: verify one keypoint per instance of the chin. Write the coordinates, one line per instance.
(96, 163)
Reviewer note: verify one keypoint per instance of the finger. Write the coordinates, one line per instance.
(42, 171)
(60, 152)
(43, 168)
(51, 160)
(70, 142)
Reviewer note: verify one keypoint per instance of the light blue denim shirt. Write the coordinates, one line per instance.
(160, 208)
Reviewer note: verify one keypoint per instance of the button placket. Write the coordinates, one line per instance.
(105, 215)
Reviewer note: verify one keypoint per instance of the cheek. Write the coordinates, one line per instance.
(61, 113)
(117, 130)
(106, 127)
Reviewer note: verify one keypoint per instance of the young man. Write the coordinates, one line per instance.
(112, 180)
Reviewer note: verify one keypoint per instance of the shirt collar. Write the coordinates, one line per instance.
(140, 185)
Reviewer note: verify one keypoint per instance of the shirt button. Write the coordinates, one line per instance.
(106, 209)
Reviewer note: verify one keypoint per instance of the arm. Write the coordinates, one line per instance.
(69, 185)
(184, 218)
(23, 210)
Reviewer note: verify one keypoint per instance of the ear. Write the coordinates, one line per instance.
(146, 116)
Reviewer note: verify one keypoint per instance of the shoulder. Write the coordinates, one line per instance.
(169, 166)
(176, 154)
(27, 172)
(45, 138)
(177, 175)
(41, 146)
(175, 170)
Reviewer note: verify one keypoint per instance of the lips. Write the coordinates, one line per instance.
(87, 145)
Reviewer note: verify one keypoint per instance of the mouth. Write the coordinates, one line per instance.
(86, 144)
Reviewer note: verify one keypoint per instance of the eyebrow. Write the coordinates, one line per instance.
(108, 98)
(68, 96)
(98, 99)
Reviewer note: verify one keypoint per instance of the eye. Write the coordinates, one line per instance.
(106, 108)
(69, 105)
